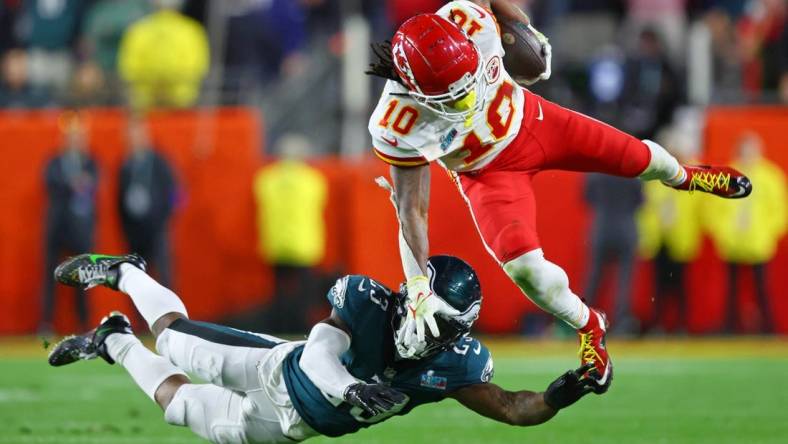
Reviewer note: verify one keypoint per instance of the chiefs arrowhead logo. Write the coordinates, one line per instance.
(492, 72)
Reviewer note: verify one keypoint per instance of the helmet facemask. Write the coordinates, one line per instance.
(454, 282)
(450, 331)
(462, 101)
(451, 328)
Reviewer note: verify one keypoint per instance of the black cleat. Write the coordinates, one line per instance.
(88, 270)
(91, 344)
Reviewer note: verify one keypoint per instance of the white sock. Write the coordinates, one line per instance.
(663, 166)
(151, 298)
(547, 285)
(147, 369)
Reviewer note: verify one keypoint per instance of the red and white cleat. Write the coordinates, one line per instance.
(593, 350)
(721, 181)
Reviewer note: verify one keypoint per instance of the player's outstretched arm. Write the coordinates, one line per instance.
(328, 341)
(523, 408)
(411, 199)
(526, 408)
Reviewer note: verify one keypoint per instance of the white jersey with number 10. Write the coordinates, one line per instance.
(405, 133)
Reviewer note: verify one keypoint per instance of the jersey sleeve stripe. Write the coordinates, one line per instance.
(400, 161)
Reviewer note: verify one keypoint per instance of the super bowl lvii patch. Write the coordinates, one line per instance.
(431, 381)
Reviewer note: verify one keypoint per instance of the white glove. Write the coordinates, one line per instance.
(547, 50)
(422, 305)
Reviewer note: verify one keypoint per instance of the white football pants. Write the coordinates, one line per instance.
(232, 409)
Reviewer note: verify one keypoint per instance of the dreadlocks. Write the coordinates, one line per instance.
(384, 66)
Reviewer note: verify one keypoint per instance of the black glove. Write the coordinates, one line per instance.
(570, 387)
(373, 398)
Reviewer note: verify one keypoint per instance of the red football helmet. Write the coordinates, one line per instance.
(440, 65)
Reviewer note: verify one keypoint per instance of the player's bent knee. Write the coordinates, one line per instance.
(537, 276)
(213, 413)
(167, 345)
(513, 240)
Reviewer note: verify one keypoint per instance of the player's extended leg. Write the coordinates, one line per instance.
(547, 285)
(224, 356)
(572, 141)
(215, 413)
(157, 304)
(114, 341)
(503, 207)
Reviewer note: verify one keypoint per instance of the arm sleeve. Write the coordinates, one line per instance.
(321, 359)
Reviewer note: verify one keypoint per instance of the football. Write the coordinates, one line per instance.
(524, 59)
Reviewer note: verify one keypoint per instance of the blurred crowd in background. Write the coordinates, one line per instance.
(146, 197)
(636, 58)
(648, 67)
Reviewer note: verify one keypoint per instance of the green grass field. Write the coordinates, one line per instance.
(691, 391)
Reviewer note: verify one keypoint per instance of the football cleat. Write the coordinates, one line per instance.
(88, 270)
(721, 181)
(593, 350)
(91, 344)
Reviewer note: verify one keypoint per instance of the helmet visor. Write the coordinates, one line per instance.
(464, 98)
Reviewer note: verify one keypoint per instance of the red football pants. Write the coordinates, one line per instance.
(551, 137)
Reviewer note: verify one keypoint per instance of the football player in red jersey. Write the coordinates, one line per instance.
(449, 99)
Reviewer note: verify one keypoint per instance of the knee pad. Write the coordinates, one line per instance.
(212, 412)
(547, 285)
(539, 278)
(191, 354)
